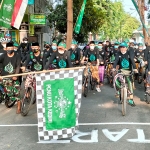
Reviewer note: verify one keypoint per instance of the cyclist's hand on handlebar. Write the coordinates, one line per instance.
(23, 69)
(135, 70)
(113, 69)
(14, 78)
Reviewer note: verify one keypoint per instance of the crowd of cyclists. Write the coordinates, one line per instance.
(126, 56)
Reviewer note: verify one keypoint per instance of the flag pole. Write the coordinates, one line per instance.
(39, 72)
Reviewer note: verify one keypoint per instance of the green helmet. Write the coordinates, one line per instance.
(74, 42)
(62, 44)
(123, 44)
(140, 44)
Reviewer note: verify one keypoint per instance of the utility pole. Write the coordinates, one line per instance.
(69, 22)
(141, 5)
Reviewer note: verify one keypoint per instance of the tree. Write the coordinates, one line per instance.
(93, 17)
(118, 23)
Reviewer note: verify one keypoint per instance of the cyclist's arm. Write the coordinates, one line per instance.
(18, 64)
(79, 53)
(69, 59)
(132, 60)
(97, 56)
(50, 61)
(116, 61)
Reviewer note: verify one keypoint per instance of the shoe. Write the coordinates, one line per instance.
(117, 95)
(98, 89)
(131, 103)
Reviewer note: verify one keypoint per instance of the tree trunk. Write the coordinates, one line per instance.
(69, 22)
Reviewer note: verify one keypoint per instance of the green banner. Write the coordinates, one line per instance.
(59, 103)
(37, 19)
(79, 19)
(6, 10)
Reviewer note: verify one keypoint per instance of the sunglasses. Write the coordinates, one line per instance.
(122, 47)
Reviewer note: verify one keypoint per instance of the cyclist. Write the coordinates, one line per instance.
(101, 61)
(24, 49)
(11, 65)
(61, 56)
(35, 57)
(139, 58)
(75, 53)
(92, 55)
(126, 62)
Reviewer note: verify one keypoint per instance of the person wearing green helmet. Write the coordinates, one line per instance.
(92, 55)
(139, 61)
(126, 62)
(61, 56)
(75, 53)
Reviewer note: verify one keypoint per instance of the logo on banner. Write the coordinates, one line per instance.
(61, 104)
(8, 7)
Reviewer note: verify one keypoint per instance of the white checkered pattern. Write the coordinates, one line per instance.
(44, 134)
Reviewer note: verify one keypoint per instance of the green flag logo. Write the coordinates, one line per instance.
(8, 7)
(59, 103)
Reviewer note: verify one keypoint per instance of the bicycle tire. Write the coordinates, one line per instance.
(1, 97)
(27, 101)
(93, 84)
(9, 103)
(124, 100)
(139, 80)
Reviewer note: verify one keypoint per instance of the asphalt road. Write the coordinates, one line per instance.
(100, 121)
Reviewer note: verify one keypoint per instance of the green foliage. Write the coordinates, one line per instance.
(118, 24)
(93, 17)
(102, 17)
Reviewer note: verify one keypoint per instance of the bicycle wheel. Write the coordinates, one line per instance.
(93, 83)
(27, 100)
(8, 102)
(1, 97)
(85, 87)
(139, 78)
(124, 100)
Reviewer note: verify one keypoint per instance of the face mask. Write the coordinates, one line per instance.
(54, 47)
(10, 51)
(115, 47)
(72, 47)
(60, 51)
(140, 48)
(35, 50)
(25, 41)
(92, 47)
(100, 47)
(15, 50)
(123, 52)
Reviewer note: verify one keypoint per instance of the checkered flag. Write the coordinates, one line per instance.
(4, 40)
(58, 103)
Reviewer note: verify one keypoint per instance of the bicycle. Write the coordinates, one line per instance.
(109, 73)
(87, 78)
(28, 99)
(124, 91)
(3, 93)
(140, 70)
